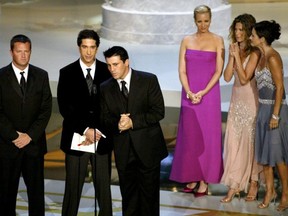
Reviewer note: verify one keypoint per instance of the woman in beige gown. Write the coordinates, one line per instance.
(239, 164)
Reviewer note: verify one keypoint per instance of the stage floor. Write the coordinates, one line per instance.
(171, 203)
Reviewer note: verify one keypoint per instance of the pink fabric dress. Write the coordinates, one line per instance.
(198, 151)
(239, 162)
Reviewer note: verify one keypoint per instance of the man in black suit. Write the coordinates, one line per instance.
(132, 122)
(25, 109)
(79, 105)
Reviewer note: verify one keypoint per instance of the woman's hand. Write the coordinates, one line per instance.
(197, 98)
(274, 122)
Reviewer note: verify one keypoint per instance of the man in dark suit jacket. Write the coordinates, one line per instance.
(133, 125)
(80, 109)
(25, 110)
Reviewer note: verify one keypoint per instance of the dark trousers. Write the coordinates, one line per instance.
(31, 169)
(139, 187)
(76, 170)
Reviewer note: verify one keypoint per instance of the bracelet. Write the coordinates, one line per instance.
(275, 117)
(187, 95)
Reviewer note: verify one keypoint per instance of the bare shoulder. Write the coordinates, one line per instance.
(217, 39)
(188, 39)
(274, 57)
(255, 50)
(216, 36)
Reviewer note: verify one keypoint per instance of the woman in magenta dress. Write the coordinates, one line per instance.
(198, 153)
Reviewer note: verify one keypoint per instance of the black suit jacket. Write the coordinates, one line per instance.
(29, 113)
(146, 108)
(78, 108)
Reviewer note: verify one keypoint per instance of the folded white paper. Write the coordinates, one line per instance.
(77, 140)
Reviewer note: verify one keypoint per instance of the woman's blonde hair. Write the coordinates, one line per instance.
(202, 9)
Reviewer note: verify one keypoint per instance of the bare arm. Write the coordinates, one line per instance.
(182, 70)
(228, 72)
(245, 74)
(275, 64)
(182, 67)
(219, 68)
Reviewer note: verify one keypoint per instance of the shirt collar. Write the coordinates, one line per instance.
(127, 79)
(84, 67)
(17, 71)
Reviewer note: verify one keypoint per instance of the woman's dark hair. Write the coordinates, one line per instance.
(88, 34)
(116, 51)
(270, 30)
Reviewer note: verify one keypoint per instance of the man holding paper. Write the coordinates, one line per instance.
(80, 142)
(78, 99)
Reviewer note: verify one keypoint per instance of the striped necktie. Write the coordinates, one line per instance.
(124, 89)
(89, 80)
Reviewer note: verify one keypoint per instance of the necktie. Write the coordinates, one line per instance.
(22, 82)
(124, 89)
(89, 80)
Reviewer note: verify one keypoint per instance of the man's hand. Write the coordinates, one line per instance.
(90, 133)
(125, 122)
(22, 140)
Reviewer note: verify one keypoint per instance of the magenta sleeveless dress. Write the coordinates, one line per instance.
(198, 151)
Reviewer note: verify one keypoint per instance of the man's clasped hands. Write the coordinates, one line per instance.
(125, 122)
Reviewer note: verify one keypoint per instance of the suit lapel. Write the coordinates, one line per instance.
(30, 80)
(97, 74)
(133, 89)
(118, 97)
(78, 79)
(14, 82)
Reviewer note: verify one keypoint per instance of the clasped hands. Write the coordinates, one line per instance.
(195, 97)
(22, 140)
(234, 49)
(125, 122)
